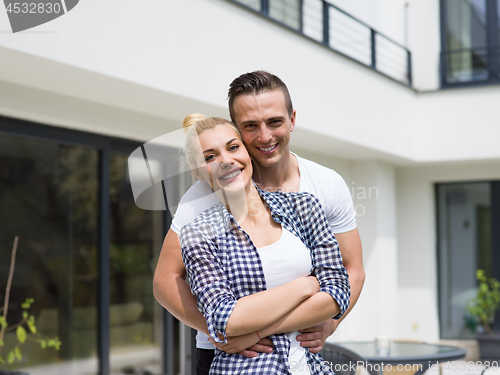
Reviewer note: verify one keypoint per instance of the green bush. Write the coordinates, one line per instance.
(486, 302)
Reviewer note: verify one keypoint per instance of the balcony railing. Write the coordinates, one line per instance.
(327, 24)
(470, 66)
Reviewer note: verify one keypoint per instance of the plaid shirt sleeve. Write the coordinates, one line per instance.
(208, 280)
(327, 260)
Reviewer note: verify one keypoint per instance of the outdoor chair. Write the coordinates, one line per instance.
(342, 360)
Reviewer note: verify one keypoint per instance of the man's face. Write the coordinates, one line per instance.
(265, 125)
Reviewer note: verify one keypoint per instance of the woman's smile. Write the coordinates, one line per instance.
(231, 175)
(228, 164)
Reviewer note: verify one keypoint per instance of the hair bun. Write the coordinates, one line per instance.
(191, 120)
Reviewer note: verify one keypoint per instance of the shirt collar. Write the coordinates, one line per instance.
(274, 203)
(272, 199)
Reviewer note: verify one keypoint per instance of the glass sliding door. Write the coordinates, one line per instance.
(135, 317)
(54, 195)
(465, 245)
(49, 198)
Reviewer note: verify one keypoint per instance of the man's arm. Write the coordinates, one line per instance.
(311, 311)
(352, 257)
(170, 288)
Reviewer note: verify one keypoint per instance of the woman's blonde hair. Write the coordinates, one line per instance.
(195, 124)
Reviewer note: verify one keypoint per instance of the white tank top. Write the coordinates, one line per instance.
(283, 261)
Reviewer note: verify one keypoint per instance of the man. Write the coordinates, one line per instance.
(261, 107)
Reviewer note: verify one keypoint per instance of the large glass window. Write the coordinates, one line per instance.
(50, 197)
(134, 314)
(466, 213)
(470, 41)
(498, 18)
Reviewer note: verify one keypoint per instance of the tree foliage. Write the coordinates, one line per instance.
(25, 331)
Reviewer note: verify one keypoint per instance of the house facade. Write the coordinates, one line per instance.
(399, 97)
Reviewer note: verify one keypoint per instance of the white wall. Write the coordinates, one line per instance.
(191, 57)
(168, 59)
(372, 186)
(458, 124)
(424, 42)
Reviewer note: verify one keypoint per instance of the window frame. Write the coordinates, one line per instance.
(495, 242)
(105, 145)
(492, 47)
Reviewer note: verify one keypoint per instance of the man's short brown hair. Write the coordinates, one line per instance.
(255, 83)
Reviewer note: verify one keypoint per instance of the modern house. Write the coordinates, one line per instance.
(399, 97)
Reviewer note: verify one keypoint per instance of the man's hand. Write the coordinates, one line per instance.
(314, 337)
(264, 345)
(247, 345)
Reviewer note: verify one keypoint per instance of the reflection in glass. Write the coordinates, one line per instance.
(464, 212)
(48, 197)
(498, 37)
(286, 11)
(136, 236)
(466, 38)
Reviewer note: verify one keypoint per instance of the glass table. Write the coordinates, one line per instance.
(409, 356)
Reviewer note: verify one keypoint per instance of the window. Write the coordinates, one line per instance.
(135, 241)
(49, 198)
(55, 189)
(470, 36)
(467, 213)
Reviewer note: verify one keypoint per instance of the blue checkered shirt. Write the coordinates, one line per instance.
(223, 265)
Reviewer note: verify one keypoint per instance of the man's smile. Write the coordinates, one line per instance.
(268, 149)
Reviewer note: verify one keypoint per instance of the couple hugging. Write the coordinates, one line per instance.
(265, 254)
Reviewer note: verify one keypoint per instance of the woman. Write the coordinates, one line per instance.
(249, 259)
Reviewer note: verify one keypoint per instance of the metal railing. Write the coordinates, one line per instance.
(329, 25)
(470, 66)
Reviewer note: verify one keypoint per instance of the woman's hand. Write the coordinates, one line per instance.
(240, 344)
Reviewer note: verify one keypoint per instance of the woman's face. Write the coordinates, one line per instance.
(225, 162)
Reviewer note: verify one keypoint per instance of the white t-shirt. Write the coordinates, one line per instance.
(284, 261)
(324, 183)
